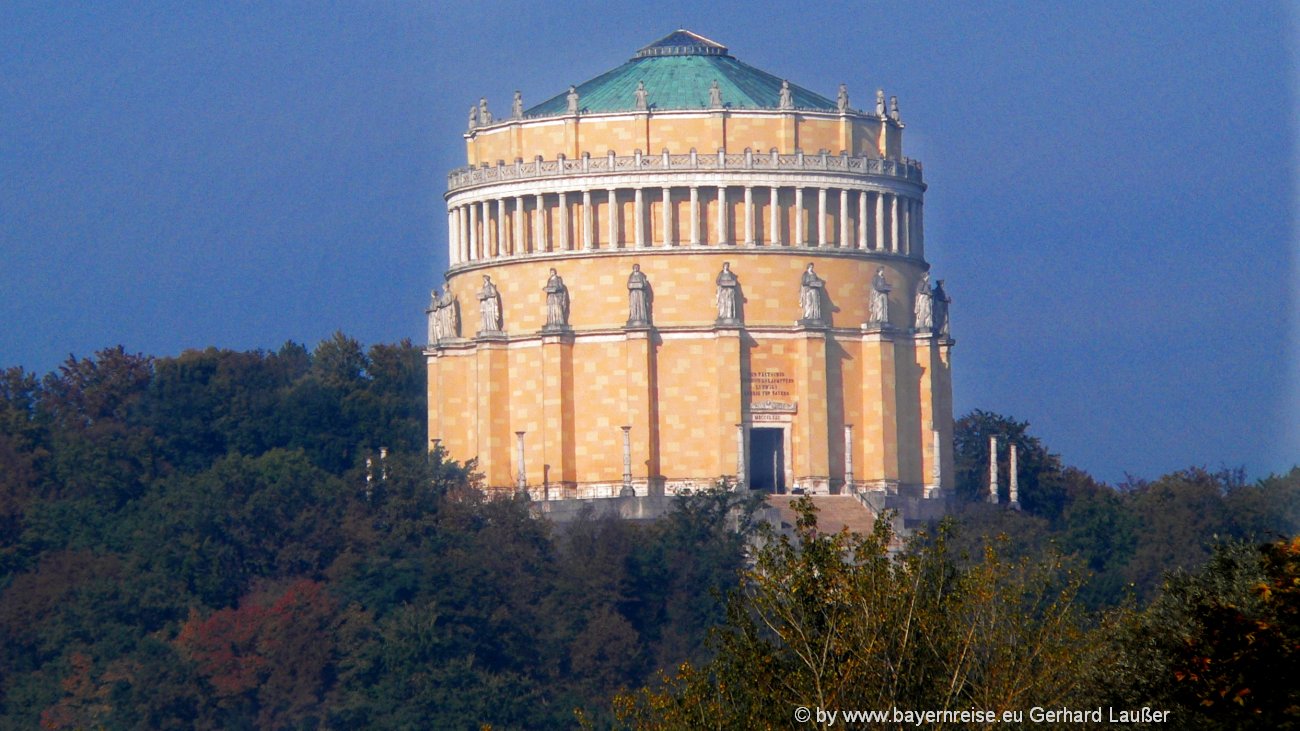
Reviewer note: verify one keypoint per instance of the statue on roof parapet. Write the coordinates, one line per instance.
(484, 116)
(880, 103)
(893, 109)
(787, 99)
(842, 99)
(473, 116)
(572, 99)
(517, 106)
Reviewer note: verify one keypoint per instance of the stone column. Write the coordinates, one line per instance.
(1014, 478)
(797, 217)
(453, 242)
(893, 225)
(993, 470)
(848, 457)
(474, 253)
(541, 235)
(774, 217)
(749, 215)
(862, 219)
(562, 210)
(462, 232)
(821, 216)
(695, 216)
(669, 238)
(588, 222)
(519, 245)
(613, 215)
(936, 468)
(880, 220)
(627, 463)
(905, 226)
(843, 243)
(740, 457)
(488, 239)
(501, 227)
(639, 222)
(723, 237)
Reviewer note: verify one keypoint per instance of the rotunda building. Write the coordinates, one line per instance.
(686, 269)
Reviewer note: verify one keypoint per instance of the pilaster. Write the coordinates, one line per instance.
(493, 400)
(879, 411)
(557, 435)
(642, 399)
(810, 442)
(727, 365)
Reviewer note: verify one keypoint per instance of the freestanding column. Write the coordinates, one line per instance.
(462, 232)
(639, 205)
(474, 253)
(563, 212)
(722, 215)
(453, 240)
(893, 226)
(905, 226)
(993, 470)
(880, 222)
(1013, 477)
(740, 457)
(521, 484)
(937, 467)
(695, 216)
(669, 238)
(627, 463)
(501, 227)
(843, 243)
(488, 240)
(797, 218)
(541, 234)
(749, 215)
(774, 217)
(848, 457)
(862, 219)
(588, 222)
(821, 216)
(613, 216)
(519, 246)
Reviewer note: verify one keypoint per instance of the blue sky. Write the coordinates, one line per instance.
(1111, 203)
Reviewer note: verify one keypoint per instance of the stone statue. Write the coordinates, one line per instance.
(642, 98)
(715, 95)
(489, 307)
(880, 289)
(727, 296)
(842, 100)
(448, 313)
(924, 308)
(940, 302)
(473, 116)
(484, 116)
(435, 318)
(557, 303)
(517, 106)
(572, 98)
(638, 296)
(810, 296)
(880, 103)
(893, 109)
(787, 99)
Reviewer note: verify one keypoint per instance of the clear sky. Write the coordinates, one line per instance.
(1111, 203)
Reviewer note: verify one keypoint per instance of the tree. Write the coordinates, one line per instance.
(1038, 471)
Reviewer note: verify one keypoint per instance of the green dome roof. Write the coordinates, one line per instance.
(678, 70)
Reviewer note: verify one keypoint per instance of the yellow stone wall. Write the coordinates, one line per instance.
(678, 132)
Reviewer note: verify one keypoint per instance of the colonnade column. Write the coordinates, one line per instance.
(862, 219)
(639, 234)
(520, 246)
(563, 212)
(540, 237)
(501, 226)
(749, 215)
(774, 217)
(486, 215)
(821, 216)
(880, 222)
(798, 217)
(613, 220)
(843, 243)
(453, 243)
(473, 232)
(669, 238)
(893, 225)
(462, 232)
(722, 214)
(588, 222)
(695, 216)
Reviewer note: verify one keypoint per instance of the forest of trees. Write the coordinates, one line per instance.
(197, 542)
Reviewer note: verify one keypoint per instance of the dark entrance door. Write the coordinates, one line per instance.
(767, 459)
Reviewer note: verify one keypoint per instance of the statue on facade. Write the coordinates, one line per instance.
(473, 116)
(842, 99)
(484, 116)
(811, 288)
(880, 103)
(435, 318)
(517, 106)
(638, 298)
(940, 301)
(787, 99)
(880, 289)
(557, 303)
(572, 99)
(893, 109)
(489, 307)
(924, 307)
(727, 296)
(449, 314)
(715, 95)
(642, 98)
